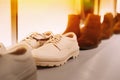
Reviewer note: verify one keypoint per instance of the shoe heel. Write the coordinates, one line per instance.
(76, 53)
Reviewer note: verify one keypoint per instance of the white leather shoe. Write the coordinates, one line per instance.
(36, 40)
(57, 50)
(17, 64)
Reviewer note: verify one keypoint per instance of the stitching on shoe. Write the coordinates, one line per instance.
(19, 51)
(57, 47)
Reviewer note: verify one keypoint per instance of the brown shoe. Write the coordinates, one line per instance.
(117, 18)
(90, 33)
(107, 26)
(116, 28)
(73, 24)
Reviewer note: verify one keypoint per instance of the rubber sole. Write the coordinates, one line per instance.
(60, 63)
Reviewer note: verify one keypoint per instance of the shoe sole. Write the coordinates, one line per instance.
(60, 63)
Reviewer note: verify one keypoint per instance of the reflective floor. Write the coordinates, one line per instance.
(102, 63)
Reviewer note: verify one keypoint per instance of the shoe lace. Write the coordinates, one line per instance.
(54, 40)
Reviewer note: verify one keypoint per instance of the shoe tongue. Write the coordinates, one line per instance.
(38, 36)
(54, 39)
(47, 34)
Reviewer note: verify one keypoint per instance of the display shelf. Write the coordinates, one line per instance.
(101, 63)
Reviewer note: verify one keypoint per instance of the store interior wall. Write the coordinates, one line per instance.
(43, 15)
(5, 22)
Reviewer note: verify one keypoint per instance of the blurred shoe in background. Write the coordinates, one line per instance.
(107, 26)
(90, 32)
(73, 24)
(17, 63)
(116, 28)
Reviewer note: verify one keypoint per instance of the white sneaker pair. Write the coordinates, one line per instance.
(36, 40)
(17, 63)
(56, 50)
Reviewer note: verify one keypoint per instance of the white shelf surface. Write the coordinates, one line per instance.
(101, 63)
